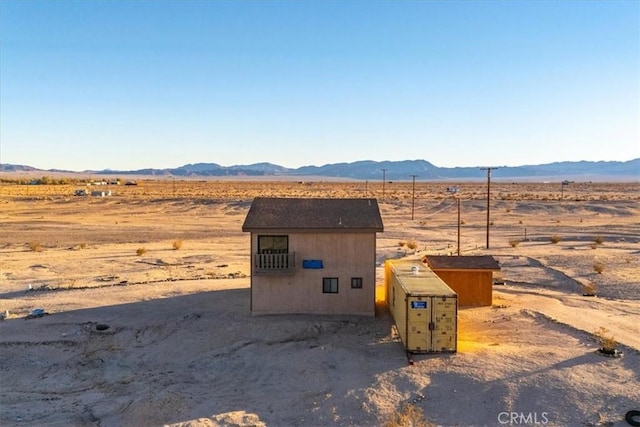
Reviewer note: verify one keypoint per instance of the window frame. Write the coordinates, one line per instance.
(272, 249)
(327, 285)
(356, 283)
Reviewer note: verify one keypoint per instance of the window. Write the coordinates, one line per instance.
(356, 283)
(273, 254)
(273, 244)
(329, 285)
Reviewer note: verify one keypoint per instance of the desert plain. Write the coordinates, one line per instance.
(162, 267)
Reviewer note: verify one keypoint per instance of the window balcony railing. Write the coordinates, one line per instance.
(274, 263)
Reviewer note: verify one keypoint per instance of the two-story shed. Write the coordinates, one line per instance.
(315, 256)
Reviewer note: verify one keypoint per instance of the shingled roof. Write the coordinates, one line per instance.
(444, 262)
(267, 213)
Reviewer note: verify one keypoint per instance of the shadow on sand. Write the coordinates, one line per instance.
(186, 357)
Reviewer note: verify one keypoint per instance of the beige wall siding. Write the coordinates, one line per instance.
(344, 255)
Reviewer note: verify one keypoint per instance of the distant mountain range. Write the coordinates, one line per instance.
(393, 170)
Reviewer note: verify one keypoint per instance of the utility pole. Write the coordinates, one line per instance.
(413, 196)
(488, 169)
(384, 171)
(454, 191)
(562, 185)
(458, 198)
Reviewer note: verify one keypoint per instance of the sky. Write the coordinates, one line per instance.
(132, 84)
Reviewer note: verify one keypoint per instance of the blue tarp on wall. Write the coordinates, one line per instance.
(312, 263)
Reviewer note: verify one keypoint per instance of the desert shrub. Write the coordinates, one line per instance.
(598, 267)
(598, 240)
(555, 238)
(605, 339)
(593, 246)
(412, 244)
(177, 244)
(141, 251)
(508, 210)
(401, 243)
(514, 242)
(589, 288)
(462, 222)
(520, 222)
(83, 245)
(407, 415)
(35, 246)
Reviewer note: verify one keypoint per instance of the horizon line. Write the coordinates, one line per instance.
(237, 165)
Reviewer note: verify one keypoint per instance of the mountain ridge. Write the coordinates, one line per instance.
(369, 169)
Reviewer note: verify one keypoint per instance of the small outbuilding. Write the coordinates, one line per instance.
(314, 256)
(471, 277)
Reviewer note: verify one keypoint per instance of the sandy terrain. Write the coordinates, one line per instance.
(182, 349)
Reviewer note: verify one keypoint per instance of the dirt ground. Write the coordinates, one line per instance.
(146, 301)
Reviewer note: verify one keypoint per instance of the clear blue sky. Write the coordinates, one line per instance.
(135, 84)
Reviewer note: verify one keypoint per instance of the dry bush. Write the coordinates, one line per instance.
(598, 267)
(412, 244)
(555, 238)
(141, 251)
(407, 416)
(514, 242)
(588, 288)
(35, 246)
(462, 222)
(598, 240)
(177, 244)
(605, 339)
(83, 245)
(402, 243)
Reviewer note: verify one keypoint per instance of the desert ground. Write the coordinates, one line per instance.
(164, 266)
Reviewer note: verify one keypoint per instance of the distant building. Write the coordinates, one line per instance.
(314, 256)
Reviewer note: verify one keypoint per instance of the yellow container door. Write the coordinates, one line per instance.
(418, 318)
(445, 329)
